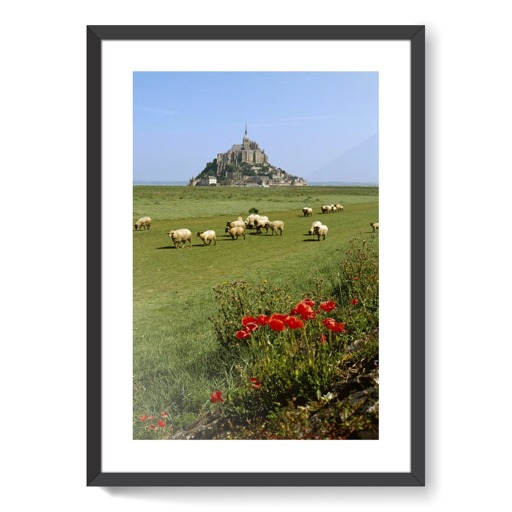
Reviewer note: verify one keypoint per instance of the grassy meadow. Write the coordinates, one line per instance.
(177, 362)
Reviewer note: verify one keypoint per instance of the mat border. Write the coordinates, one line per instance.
(95, 35)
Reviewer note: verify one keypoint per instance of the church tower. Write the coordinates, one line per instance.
(246, 143)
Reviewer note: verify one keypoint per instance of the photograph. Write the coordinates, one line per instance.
(255, 255)
(247, 291)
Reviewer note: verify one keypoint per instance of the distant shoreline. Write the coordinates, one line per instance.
(311, 184)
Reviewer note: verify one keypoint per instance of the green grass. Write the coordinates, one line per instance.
(176, 356)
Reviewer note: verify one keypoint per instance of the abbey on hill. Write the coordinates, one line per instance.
(244, 165)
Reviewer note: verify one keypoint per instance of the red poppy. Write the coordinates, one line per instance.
(308, 302)
(328, 321)
(323, 339)
(143, 418)
(293, 323)
(248, 320)
(334, 327)
(262, 320)
(328, 305)
(161, 423)
(216, 396)
(302, 307)
(355, 301)
(256, 384)
(153, 427)
(164, 414)
(277, 325)
(251, 326)
(304, 310)
(356, 278)
(308, 315)
(242, 335)
(277, 316)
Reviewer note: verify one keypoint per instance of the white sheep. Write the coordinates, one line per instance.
(312, 228)
(321, 231)
(208, 236)
(250, 222)
(143, 222)
(250, 219)
(181, 236)
(236, 232)
(235, 223)
(307, 211)
(374, 225)
(338, 207)
(276, 225)
(327, 208)
(259, 222)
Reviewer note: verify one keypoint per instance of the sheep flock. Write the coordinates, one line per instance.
(239, 227)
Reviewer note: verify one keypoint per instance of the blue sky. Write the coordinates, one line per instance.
(322, 126)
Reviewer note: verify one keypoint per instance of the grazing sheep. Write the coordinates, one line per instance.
(181, 236)
(260, 222)
(327, 208)
(374, 225)
(143, 222)
(235, 223)
(276, 225)
(338, 207)
(321, 231)
(250, 219)
(307, 211)
(253, 220)
(236, 232)
(312, 228)
(208, 236)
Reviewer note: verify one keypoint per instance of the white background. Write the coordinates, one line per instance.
(43, 204)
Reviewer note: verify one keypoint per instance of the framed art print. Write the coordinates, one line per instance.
(256, 255)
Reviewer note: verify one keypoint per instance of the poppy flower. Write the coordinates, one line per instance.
(328, 321)
(277, 325)
(334, 327)
(308, 315)
(262, 320)
(161, 423)
(256, 384)
(251, 326)
(153, 427)
(248, 320)
(277, 316)
(355, 301)
(242, 335)
(304, 310)
(164, 414)
(308, 302)
(323, 339)
(216, 396)
(293, 322)
(143, 418)
(356, 278)
(328, 305)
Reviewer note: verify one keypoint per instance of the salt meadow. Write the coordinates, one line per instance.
(195, 375)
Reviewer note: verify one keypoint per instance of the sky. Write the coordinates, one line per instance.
(322, 126)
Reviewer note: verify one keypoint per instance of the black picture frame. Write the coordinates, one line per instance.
(95, 36)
